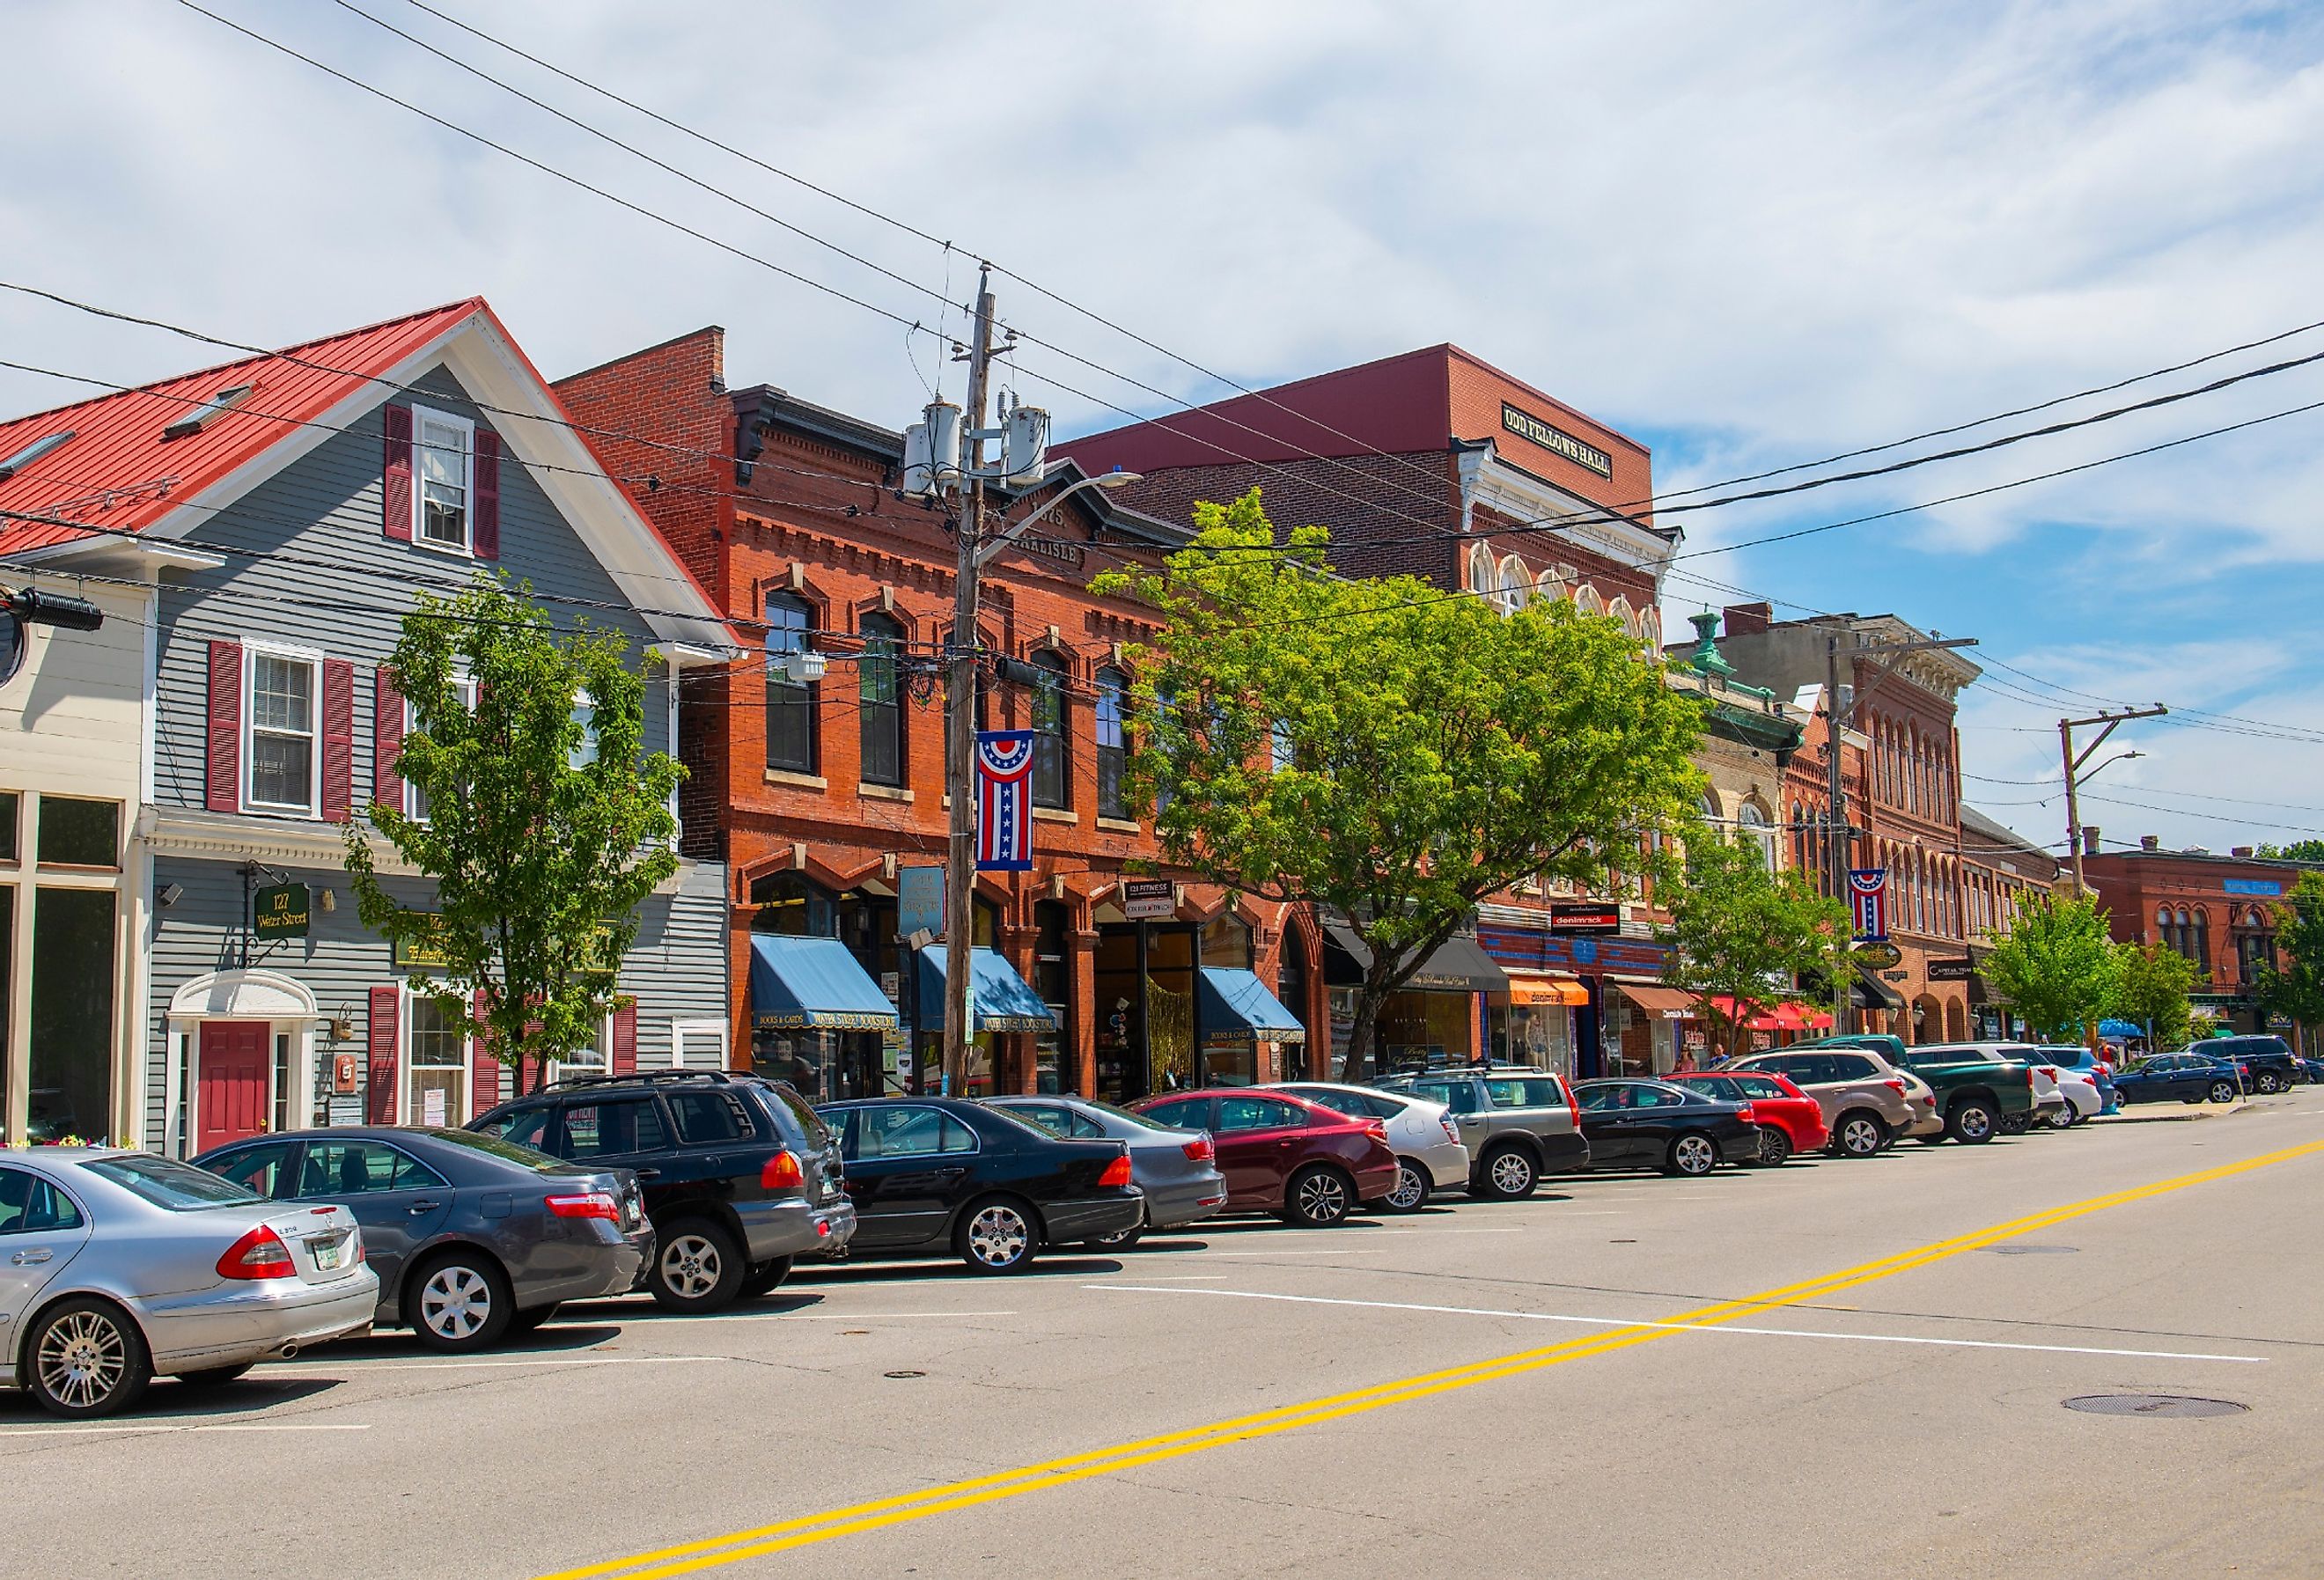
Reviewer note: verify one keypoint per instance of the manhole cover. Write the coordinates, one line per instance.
(904, 1374)
(2033, 1250)
(2153, 1404)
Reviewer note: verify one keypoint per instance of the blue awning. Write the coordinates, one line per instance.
(814, 984)
(997, 998)
(1236, 1007)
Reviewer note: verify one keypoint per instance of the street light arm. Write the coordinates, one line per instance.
(996, 541)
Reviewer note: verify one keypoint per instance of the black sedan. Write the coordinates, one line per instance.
(934, 1173)
(1654, 1124)
(2190, 1078)
(472, 1237)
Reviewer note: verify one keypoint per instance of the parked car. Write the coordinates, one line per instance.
(119, 1266)
(2190, 1077)
(1309, 1165)
(1517, 1123)
(1789, 1120)
(1177, 1170)
(2312, 1071)
(1429, 1153)
(473, 1238)
(2100, 1070)
(2267, 1063)
(1654, 1125)
(2079, 1088)
(942, 1174)
(1864, 1102)
(739, 1175)
(1968, 1073)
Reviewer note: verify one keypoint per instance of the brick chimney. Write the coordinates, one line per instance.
(1749, 619)
(2090, 840)
(2244, 850)
(2150, 842)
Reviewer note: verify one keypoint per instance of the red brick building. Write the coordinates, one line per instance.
(821, 794)
(2218, 910)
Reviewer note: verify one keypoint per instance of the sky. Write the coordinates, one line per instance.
(1748, 236)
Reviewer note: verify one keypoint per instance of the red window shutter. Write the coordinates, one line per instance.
(338, 739)
(226, 727)
(626, 1040)
(485, 530)
(484, 1070)
(383, 1055)
(387, 739)
(396, 473)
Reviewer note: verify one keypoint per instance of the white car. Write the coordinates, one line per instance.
(1429, 1153)
(2080, 1091)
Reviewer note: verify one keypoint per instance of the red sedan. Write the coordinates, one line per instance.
(1789, 1120)
(1285, 1155)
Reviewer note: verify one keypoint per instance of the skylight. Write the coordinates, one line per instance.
(30, 453)
(192, 422)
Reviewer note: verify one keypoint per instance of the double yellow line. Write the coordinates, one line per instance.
(857, 1519)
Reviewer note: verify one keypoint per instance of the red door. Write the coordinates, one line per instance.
(230, 1089)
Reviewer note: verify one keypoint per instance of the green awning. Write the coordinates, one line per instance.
(997, 998)
(814, 984)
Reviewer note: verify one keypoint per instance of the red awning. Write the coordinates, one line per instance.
(1788, 1015)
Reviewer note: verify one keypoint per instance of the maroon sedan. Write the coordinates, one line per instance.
(1285, 1155)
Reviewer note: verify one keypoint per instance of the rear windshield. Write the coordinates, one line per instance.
(1136, 1119)
(179, 1187)
(817, 1132)
(506, 1151)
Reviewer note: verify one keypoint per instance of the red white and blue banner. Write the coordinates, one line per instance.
(1867, 902)
(1004, 800)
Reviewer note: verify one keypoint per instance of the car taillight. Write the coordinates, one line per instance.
(1199, 1149)
(1451, 1131)
(1117, 1173)
(1893, 1083)
(1749, 1116)
(587, 1203)
(2029, 1078)
(2050, 1072)
(2104, 1069)
(1378, 1130)
(782, 1172)
(259, 1254)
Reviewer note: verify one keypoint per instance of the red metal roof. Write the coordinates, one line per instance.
(119, 473)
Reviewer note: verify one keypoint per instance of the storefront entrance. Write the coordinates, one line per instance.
(1149, 1024)
(230, 1082)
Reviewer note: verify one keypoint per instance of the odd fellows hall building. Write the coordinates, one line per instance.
(824, 791)
(1436, 464)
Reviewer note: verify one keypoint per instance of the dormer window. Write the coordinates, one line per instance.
(199, 417)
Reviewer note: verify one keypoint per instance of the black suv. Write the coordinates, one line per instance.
(740, 1175)
(2266, 1062)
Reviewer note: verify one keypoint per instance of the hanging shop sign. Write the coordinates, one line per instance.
(1585, 918)
(423, 952)
(920, 901)
(1551, 436)
(1149, 898)
(1878, 954)
(1867, 901)
(1951, 970)
(1004, 800)
(280, 911)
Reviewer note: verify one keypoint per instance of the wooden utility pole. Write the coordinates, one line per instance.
(960, 713)
(2073, 765)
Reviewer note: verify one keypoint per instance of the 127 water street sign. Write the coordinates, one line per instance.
(280, 911)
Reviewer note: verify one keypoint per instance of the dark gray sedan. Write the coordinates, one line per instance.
(472, 1237)
(1178, 1169)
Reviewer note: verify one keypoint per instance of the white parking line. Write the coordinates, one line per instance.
(1876, 1338)
(357, 1363)
(125, 1429)
(1224, 1251)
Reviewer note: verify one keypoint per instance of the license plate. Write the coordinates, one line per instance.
(327, 1256)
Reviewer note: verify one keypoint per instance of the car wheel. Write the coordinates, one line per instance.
(1935, 1138)
(1507, 1174)
(1775, 1147)
(459, 1302)
(997, 1236)
(763, 1278)
(697, 1267)
(1125, 1241)
(2065, 1117)
(1973, 1121)
(2269, 1082)
(532, 1319)
(1411, 1192)
(215, 1376)
(1858, 1135)
(86, 1358)
(2017, 1124)
(1318, 1197)
(1692, 1155)
(2222, 1091)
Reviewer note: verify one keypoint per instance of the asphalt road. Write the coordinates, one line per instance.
(1837, 1368)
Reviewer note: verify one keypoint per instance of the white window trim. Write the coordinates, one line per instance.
(466, 547)
(559, 1069)
(409, 1098)
(586, 754)
(313, 658)
(685, 1033)
(465, 687)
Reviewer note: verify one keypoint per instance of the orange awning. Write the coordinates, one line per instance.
(1546, 990)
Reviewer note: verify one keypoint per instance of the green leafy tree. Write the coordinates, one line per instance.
(1384, 750)
(1743, 932)
(2056, 966)
(2293, 987)
(2151, 988)
(2299, 850)
(544, 827)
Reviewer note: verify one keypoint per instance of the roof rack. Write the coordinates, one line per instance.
(679, 1074)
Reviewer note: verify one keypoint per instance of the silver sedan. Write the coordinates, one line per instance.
(116, 1266)
(1177, 1169)
(1429, 1152)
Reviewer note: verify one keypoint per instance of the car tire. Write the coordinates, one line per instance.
(1858, 1134)
(1692, 1155)
(1411, 1192)
(1125, 1241)
(458, 1302)
(2222, 1092)
(532, 1319)
(764, 1278)
(697, 1267)
(214, 1376)
(1972, 1121)
(1775, 1147)
(1506, 1173)
(2269, 1082)
(85, 1358)
(2017, 1124)
(1318, 1197)
(2066, 1117)
(998, 1234)
(1935, 1138)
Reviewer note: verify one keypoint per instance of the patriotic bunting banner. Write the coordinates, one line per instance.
(1867, 901)
(1004, 800)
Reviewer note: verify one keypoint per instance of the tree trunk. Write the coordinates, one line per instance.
(1361, 1033)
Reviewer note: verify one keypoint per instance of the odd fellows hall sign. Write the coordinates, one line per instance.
(1551, 436)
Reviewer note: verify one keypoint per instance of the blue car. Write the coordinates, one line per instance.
(2190, 1078)
(2101, 1074)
